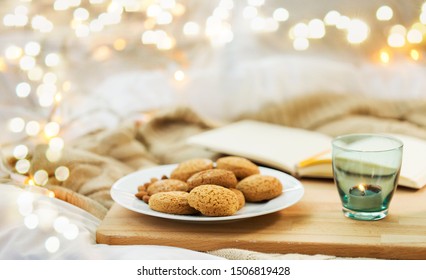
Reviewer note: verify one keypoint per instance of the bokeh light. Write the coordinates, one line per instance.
(384, 13)
(62, 173)
(52, 244)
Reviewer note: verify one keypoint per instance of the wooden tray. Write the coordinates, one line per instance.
(315, 225)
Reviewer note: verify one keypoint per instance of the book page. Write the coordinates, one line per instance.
(274, 145)
(413, 169)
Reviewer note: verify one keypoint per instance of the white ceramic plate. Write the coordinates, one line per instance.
(123, 192)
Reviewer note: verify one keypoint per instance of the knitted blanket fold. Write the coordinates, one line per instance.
(97, 160)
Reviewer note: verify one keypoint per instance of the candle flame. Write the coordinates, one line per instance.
(361, 187)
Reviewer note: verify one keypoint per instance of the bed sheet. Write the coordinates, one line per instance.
(36, 226)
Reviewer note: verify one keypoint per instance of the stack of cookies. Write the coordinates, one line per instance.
(198, 186)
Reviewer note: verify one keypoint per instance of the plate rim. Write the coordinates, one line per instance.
(115, 191)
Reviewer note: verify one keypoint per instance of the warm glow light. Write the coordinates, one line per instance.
(81, 14)
(66, 86)
(300, 30)
(316, 29)
(9, 20)
(32, 48)
(50, 78)
(227, 4)
(46, 90)
(415, 55)
(271, 25)
(62, 173)
(249, 12)
(165, 43)
(60, 5)
(343, 22)
(22, 166)
(82, 30)
(179, 75)
(102, 53)
(398, 29)
(256, 2)
(32, 128)
(58, 97)
(191, 28)
(219, 32)
(384, 57)
(357, 31)
(52, 244)
(258, 24)
(3, 65)
(164, 18)
(361, 187)
(60, 224)
(25, 203)
(119, 44)
(153, 10)
(179, 9)
(149, 37)
(96, 25)
(51, 129)
(31, 221)
(16, 125)
(221, 13)
(20, 152)
(41, 24)
(332, 18)
(56, 143)
(414, 36)
(53, 155)
(281, 14)
(396, 40)
(27, 62)
(384, 13)
(71, 231)
(300, 44)
(13, 52)
(422, 17)
(35, 74)
(52, 59)
(23, 90)
(41, 177)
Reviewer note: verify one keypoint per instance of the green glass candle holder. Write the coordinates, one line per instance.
(366, 170)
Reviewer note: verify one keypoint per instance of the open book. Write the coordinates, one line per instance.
(299, 152)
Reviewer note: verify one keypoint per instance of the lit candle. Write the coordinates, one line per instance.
(365, 198)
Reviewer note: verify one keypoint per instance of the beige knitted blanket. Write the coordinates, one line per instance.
(96, 161)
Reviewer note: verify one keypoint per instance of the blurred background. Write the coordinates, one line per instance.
(69, 67)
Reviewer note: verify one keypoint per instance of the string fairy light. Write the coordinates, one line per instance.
(165, 28)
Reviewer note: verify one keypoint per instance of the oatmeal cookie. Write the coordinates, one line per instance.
(167, 185)
(174, 202)
(220, 177)
(187, 168)
(241, 167)
(213, 200)
(260, 187)
(240, 196)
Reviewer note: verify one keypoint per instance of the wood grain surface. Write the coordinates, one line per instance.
(315, 225)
